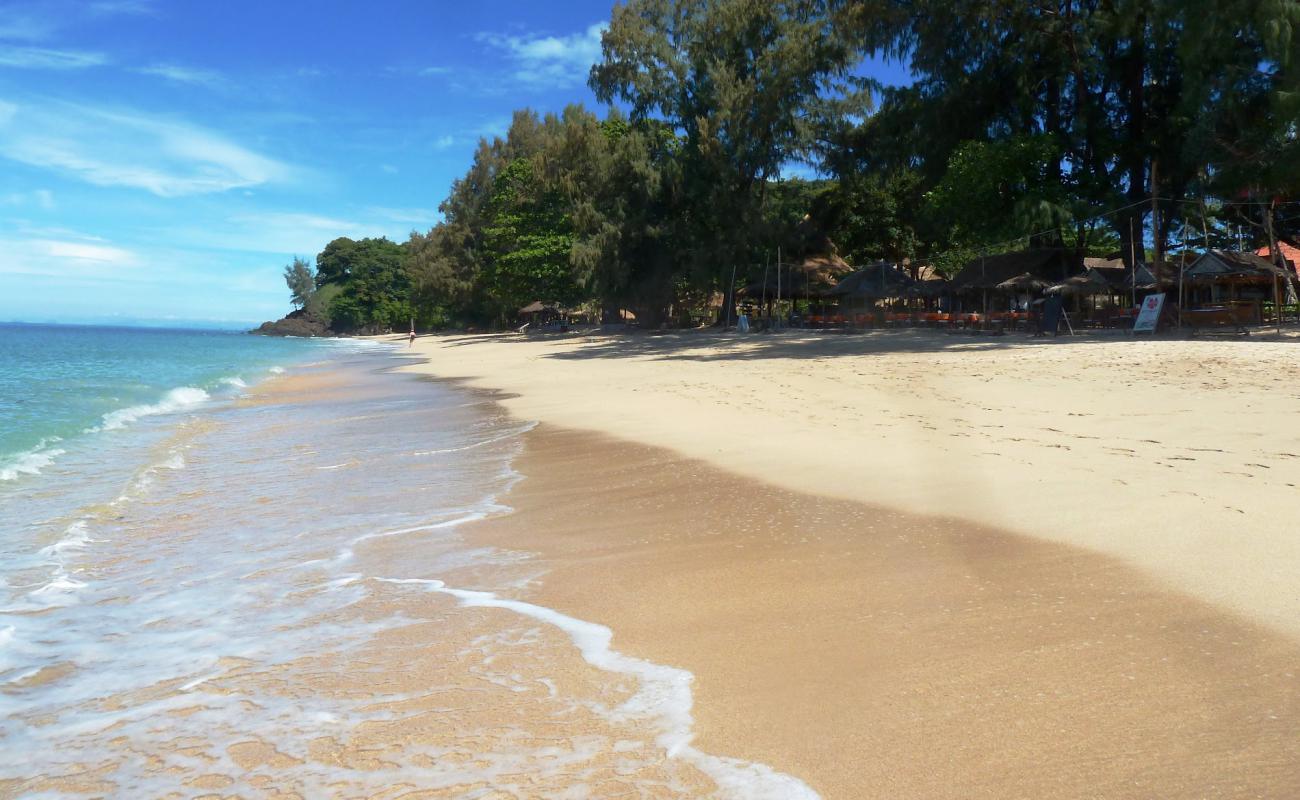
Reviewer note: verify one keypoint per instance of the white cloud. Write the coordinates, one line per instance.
(46, 58)
(113, 148)
(60, 257)
(428, 72)
(179, 74)
(549, 60)
(443, 142)
(414, 216)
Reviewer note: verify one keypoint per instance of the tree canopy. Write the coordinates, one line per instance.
(1051, 123)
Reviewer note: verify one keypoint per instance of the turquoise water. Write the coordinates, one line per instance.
(60, 385)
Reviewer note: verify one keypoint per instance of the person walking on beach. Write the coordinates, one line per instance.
(411, 341)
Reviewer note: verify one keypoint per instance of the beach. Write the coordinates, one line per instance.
(908, 564)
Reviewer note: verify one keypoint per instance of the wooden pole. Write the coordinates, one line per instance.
(1155, 228)
(1132, 256)
(1273, 257)
(731, 296)
(778, 287)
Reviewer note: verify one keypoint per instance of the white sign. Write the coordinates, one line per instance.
(1149, 315)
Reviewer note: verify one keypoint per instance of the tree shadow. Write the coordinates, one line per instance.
(709, 345)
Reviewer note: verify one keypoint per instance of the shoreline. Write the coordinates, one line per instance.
(871, 653)
(953, 659)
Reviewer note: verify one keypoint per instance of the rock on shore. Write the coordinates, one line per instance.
(296, 323)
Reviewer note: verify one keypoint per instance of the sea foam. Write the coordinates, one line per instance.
(664, 696)
(30, 462)
(177, 399)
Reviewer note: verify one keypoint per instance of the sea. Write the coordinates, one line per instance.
(236, 566)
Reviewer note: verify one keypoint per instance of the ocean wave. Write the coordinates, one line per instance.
(664, 697)
(30, 462)
(276, 370)
(234, 382)
(75, 537)
(177, 399)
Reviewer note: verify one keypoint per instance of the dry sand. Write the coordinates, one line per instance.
(966, 568)
(1180, 458)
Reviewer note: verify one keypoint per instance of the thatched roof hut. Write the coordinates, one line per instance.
(987, 272)
(1024, 282)
(1085, 283)
(875, 281)
(813, 276)
(1226, 266)
(537, 307)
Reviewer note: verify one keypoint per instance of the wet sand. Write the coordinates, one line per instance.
(877, 653)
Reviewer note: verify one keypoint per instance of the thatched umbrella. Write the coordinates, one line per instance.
(1024, 282)
(1086, 284)
(813, 276)
(873, 282)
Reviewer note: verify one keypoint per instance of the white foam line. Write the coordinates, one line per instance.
(199, 681)
(346, 553)
(664, 696)
(519, 432)
(31, 462)
(177, 399)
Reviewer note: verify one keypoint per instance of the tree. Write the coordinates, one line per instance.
(301, 279)
(747, 85)
(376, 292)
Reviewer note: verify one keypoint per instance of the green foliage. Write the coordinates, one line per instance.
(376, 290)
(528, 235)
(996, 191)
(1028, 123)
(301, 280)
(318, 303)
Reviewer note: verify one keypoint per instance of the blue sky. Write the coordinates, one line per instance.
(164, 160)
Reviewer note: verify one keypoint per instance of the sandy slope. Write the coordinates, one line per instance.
(1180, 458)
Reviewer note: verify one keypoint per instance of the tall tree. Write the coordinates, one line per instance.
(301, 280)
(747, 85)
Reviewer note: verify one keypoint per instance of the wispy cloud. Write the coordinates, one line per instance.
(413, 216)
(114, 148)
(25, 26)
(186, 75)
(429, 72)
(47, 58)
(31, 256)
(556, 61)
(40, 198)
(122, 7)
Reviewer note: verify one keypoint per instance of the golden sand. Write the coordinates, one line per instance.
(876, 653)
(915, 565)
(1181, 458)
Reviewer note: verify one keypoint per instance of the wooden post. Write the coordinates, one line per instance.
(1132, 256)
(731, 296)
(1273, 257)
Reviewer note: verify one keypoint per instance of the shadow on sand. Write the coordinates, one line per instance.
(710, 345)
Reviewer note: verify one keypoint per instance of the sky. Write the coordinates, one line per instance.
(162, 160)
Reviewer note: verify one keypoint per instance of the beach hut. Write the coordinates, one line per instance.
(861, 289)
(797, 282)
(1227, 278)
(983, 276)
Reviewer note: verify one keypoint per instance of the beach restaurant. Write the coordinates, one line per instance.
(1000, 289)
(1229, 279)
